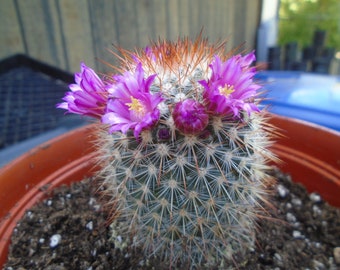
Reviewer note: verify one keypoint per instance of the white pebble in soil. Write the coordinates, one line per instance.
(315, 197)
(289, 206)
(318, 265)
(29, 214)
(290, 218)
(317, 244)
(89, 225)
(282, 191)
(316, 210)
(297, 235)
(92, 201)
(296, 202)
(55, 240)
(49, 202)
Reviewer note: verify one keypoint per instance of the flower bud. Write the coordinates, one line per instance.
(190, 116)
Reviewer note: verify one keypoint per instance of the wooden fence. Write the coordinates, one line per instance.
(65, 32)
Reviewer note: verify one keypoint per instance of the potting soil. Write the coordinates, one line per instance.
(69, 231)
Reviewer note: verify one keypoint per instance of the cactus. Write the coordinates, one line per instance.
(183, 149)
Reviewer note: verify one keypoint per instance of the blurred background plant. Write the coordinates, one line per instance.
(298, 19)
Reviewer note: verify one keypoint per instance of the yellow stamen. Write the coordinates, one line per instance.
(226, 90)
(135, 106)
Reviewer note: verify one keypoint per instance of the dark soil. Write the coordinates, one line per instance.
(68, 231)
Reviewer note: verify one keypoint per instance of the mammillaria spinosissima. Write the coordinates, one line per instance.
(183, 149)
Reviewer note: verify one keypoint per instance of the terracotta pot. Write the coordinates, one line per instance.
(27, 179)
(311, 154)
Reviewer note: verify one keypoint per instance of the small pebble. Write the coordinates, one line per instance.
(42, 240)
(55, 240)
(315, 197)
(336, 253)
(49, 202)
(282, 191)
(316, 210)
(278, 257)
(89, 225)
(296, 202)
(92, 201)
(297, 224)
(290, 217)
(317, 244)
(318, 265)
(119, 239)
(96, 207)
(289, 206)
(297, 234)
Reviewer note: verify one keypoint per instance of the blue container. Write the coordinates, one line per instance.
(307, 96)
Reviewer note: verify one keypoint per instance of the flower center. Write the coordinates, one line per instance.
(136, 106)
(226, 89)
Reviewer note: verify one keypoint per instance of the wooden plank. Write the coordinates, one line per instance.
(195, 23)
(253, 12)
(64, 33)
(159, 19)
(229, 21)
(40, 31)
(210, 19)
(77, 33)
(239, 23)
(220, 23)
(104, 32)
(55, 35)
(11, 40)
(183, 18)
(145, 32)
(126, 19)
(172, 20)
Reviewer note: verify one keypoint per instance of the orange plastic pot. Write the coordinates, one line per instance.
(27, 180)
(311, 154)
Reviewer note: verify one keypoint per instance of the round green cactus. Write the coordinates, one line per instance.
(184, 162)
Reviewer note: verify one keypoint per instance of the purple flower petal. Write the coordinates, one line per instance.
(230, 88)
(88, 95)
(131, 105)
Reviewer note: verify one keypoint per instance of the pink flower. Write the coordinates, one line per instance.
(131, 105)
(231, 88)
(190, 116)
(88, 96)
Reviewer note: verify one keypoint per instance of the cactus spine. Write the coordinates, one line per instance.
(184, 163)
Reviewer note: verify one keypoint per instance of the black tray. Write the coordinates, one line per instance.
(29, 92)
